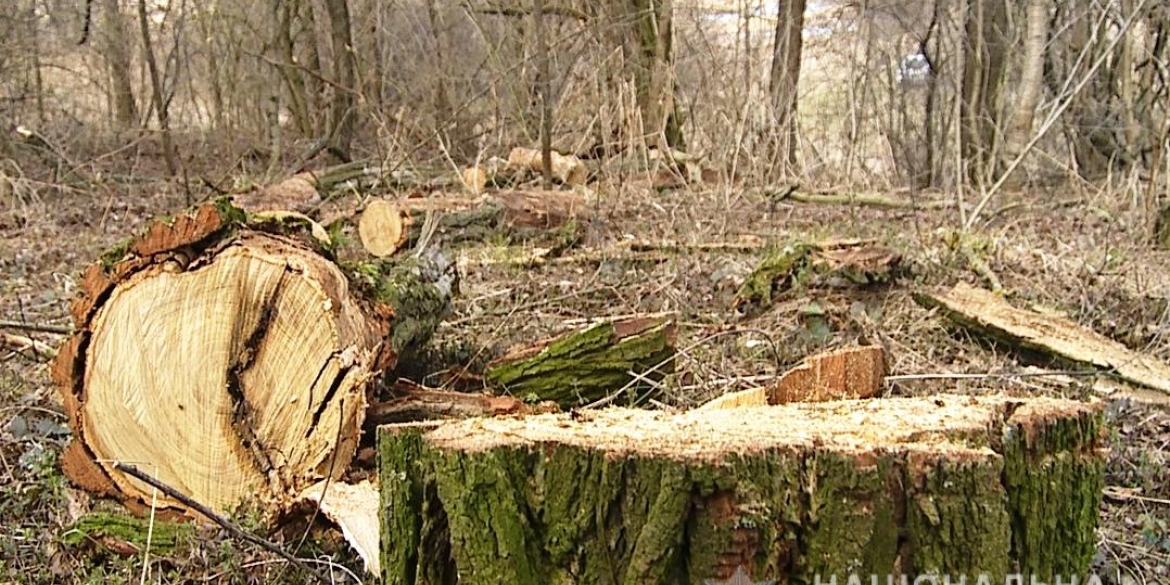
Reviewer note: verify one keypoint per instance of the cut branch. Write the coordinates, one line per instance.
(589, 364)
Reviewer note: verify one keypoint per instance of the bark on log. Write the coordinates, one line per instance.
(833, 264)
(230, 358)
(600, 361)
(914, 486)
(555, 216)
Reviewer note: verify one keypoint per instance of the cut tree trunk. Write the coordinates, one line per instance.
(942, 485)
(607, 360)
(230, 358)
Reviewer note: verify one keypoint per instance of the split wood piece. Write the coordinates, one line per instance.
(988, 314)
(231, 359)
(950, 485)
(593, 363)
(566, 169)
(353, 507)
(843, 374)
(832, 264)
(381, 228)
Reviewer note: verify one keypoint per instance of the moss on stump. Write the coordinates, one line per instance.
(945, 486)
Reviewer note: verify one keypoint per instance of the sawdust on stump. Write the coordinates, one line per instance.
(949, 485)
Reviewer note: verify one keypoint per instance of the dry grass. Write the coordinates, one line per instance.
(1080, 253)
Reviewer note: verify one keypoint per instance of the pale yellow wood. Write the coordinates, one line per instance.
(381, 228)
(354, 508)
(231, 381)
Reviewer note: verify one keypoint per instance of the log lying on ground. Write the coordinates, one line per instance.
(621, 360)
(792, 193)
(843, 374)
(834, 263)
(556, 216)
(990, 315)
(943, 485)
(304, 191)
(567, 169)
(230, 359)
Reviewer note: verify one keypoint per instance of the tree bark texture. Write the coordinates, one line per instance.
(907, 486)
(785, 76)
(983, 73)
(116, 50)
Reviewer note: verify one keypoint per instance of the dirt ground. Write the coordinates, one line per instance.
(1080, 251)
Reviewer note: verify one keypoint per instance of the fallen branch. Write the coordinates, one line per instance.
(38, 327)
(24, 343)
(776, 195)
(588, 364)
(232, 528)
(420, 404)
(796, 264)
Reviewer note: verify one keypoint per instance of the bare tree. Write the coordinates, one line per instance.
(1031, 84)
(161, 105)
(342, 117)
(653, 60)
(116, 49)
(983, 73)
(786, 55)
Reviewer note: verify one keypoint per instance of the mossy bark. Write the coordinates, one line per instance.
(1001, 496)
(591, 363)
(128, 534)
(798, 264)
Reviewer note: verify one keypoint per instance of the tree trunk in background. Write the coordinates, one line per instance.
(983, 68)
(116, 49)
(786, 52)
(1087, 117)
(342, 116)
(285, 12)
(1031, 78)
(160, 104)
(311, 14)
(928, 176)
(654, 72)
(545, 90)
(442, 104)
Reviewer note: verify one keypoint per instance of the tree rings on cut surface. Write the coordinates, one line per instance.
(228, 362)
(381, 228)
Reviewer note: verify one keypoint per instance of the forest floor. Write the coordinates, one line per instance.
(1080, 251)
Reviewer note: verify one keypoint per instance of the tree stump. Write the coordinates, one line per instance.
(230, 358)
(912, 486)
